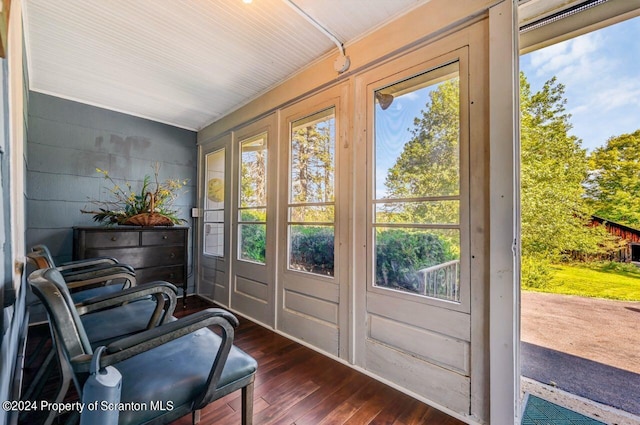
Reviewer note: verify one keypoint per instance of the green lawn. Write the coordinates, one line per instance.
(609, 280)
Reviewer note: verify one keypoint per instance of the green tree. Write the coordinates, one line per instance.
(555, 216)
(615, 179)
(312, 163)
(429, 162)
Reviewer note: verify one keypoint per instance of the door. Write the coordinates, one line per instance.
(253, 217)
(312, 272)
(414, 322)
(214, 223)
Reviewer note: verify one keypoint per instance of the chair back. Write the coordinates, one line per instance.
(49, 286)
(41, 257)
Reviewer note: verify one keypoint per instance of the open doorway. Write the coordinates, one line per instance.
(580, 146)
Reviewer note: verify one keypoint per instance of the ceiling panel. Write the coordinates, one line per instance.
(184, 62)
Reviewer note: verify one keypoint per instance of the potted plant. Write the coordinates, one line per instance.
(152, 205)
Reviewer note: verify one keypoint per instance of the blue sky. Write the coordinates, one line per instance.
(601, 75)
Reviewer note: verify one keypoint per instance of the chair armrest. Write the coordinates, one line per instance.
(130, 294)
(88, 262)
(89, 273)
(130, 346)
(101, 277)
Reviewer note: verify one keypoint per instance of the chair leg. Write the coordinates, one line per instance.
(247, 404)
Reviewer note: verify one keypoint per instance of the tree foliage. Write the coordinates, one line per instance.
(555, 216)
(312, 163)
(428, 164)
(253, 175)
(615, 180)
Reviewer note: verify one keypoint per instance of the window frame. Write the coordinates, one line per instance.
(388, 76)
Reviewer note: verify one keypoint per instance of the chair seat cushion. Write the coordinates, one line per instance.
(180, 370)
(84, 295)
(104, 326)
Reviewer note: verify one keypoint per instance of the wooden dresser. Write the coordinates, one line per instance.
(157, 253)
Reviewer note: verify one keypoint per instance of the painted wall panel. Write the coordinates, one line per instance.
(432, 347)
(440, 385)
(251, 288)
(311, 306)
(318, 333)
(441, 320)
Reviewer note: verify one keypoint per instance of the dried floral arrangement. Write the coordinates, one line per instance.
(152, 205)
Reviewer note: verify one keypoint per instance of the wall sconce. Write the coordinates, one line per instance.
(384, 100)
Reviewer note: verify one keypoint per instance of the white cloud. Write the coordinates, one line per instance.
(616, 93)
(573, 61)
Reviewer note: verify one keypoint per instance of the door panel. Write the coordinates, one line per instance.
(416, 224)
(214, 224)
(313, 277)
(253, 245)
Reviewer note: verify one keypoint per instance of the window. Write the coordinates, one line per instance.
(214, 204)
(416, 205)
(311, 207)
(252, 210)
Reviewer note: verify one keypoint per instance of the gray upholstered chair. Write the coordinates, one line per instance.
(105, 318)
(89, 277)
(181, 361)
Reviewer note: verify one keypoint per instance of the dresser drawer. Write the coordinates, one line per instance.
(173, 275)
(142, 256)
(162, 238)
(111, 239)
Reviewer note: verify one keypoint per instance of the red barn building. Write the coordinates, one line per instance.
(631, 250)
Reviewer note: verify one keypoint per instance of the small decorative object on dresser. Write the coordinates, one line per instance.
(156, 253)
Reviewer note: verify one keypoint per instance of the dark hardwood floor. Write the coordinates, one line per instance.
(296, 385)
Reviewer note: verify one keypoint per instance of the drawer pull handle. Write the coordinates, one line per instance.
(113, 238)
(165, 237)
(173, 255)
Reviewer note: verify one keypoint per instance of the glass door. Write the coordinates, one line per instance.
(253, 247)
(416, 305)
(214, 228)
(314, 281)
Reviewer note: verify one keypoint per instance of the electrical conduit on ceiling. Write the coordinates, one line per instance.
(342, 63)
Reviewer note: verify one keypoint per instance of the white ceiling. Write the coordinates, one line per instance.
(184, 62)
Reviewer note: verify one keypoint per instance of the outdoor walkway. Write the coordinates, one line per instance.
(586, 346)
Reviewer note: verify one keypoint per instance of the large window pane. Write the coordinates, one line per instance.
(311, 193)
(253, 172)
(253, 242)
(311, 249)
(313, 158)
(214, 204)
(424, 262)
(416, 203)
(252, 210)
